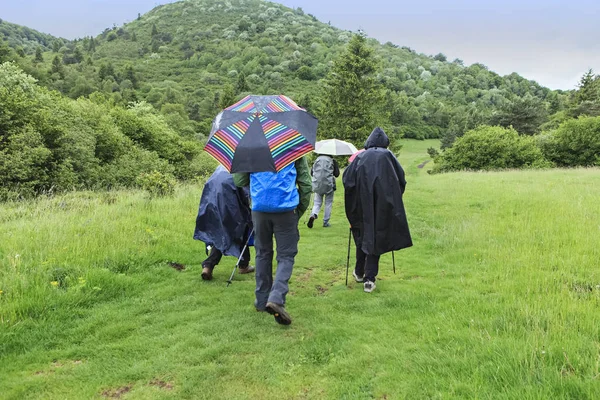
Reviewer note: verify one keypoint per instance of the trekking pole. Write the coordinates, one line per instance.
(239, 258)
(394, 262)
(348, 259)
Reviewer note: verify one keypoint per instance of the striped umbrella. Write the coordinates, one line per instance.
(261, 133)
(335, 147)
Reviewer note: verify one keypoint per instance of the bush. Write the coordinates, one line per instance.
(49, 143)
(433, 152)
(157, 183)
(491, 148)
(576, 143)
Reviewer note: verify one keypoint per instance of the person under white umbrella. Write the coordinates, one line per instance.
(324, 171)
(335, 147)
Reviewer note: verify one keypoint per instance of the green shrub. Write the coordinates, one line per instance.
(49, 143)
(433, 152)
(125, 171)
(201, 167)
(157, 183)
(576, 143)
(491, 148)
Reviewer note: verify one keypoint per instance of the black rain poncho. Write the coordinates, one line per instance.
(224, 217)
(374, 183)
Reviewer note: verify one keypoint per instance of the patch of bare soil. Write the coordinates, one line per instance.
(177, 266)
(116, 393)
(321, 290)
(161, 384)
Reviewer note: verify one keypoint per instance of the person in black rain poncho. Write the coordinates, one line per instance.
(374, 183)
(224, 222)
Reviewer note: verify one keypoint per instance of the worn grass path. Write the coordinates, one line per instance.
(498, 298)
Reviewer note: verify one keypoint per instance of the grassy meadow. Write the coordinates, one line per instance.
(498, 299)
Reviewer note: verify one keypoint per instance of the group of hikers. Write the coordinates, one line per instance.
(240, 209)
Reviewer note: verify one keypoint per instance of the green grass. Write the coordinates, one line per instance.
(498, 298)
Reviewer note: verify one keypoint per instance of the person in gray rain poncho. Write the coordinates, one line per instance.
(323, 172)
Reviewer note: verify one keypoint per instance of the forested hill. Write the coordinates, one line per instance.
(25, 40)
(190, 58)
(138, 100)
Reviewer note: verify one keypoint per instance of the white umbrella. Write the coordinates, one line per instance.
(335, 147)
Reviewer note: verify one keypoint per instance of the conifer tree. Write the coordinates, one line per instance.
(92, 45)
(39, 57)
(130, 75)
(227, 98)
(351, 94)
(241, 85)
(57, 67)
(5, 51)
(588, 87)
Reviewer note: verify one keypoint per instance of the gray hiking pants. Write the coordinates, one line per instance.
(284, 226)
(328, 205)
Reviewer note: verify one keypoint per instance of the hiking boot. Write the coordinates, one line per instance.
(357, 278)
(248, 270)
(278, 311)
(311, 221)
(369, 286)
(326, 224)
(207, 274)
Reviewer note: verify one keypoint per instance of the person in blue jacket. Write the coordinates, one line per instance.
(224, 222)
(278, 201)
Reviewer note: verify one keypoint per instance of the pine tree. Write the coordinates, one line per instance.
(588, 87)
(39, 56)
(105, 71)
(227, 98)
(241, 85)
(5, 52)
(130, 75)
(92, 45)
(56, 46)
(351, 94)
(57, 67)
(154, 31)
(77, 54)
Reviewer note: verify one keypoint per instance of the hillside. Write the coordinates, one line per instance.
(25, 38)
(160, 80)
(186, 57)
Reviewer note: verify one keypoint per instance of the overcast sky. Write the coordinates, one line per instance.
(552, 41)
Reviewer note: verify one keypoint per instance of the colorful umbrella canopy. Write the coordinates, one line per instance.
(335, 147)
(261, 133)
